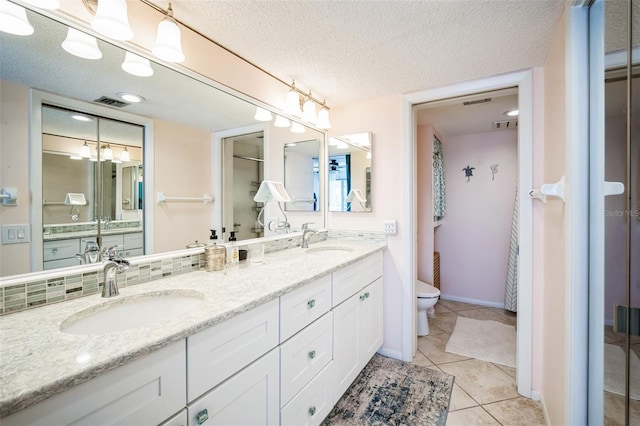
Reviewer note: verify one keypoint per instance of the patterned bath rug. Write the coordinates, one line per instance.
(392, 392)
(487, 340)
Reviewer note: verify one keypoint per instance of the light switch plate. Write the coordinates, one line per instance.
(16, 234)
(390, 227)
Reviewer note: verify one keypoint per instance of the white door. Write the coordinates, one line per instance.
(614, 345)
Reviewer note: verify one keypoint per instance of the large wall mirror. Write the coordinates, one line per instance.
(302, 175)
(171, 137)
(349, 173)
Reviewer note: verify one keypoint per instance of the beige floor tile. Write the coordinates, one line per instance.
(486, 314)
(509, 370)
(460, 399)
(434, 329)
(422, 360)
(439, 308)
(445, 321)
(614, 410)
(458, 306)
(610, 336)
(433, 346)
(470, 416)
(509, 317)
(482, 380)
(516, 412)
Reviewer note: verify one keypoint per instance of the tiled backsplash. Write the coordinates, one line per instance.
(65, 228)
(32, 294)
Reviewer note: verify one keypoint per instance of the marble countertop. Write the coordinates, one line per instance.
(37, 360)
(88, 233)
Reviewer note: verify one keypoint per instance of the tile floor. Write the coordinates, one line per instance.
(484, 393)
(614, 403)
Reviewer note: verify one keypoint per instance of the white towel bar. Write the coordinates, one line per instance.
(161, 198)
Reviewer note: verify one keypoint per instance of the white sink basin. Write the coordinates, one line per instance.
(326, 249)
(123, 313)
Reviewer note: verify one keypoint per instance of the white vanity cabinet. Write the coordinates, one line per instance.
(60, 253)
(357, 329)
(146, 391)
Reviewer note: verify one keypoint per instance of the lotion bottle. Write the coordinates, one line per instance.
(233, 255)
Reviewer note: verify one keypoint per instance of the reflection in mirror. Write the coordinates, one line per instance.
(350, 173)
(301, 175)
(178, 142)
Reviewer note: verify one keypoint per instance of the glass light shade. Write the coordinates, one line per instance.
(13, 19)
(297, 127)
(44, 4)
(85, 151)
(111, 20)
(263, 114)
(137, 65)
(168, 42)
(309, 111)
(81, 44)
(124, 155)
(292, 103)
(281, 121)
(107, 154)
(323, 119)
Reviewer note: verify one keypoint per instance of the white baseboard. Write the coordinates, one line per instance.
(390, 353)
(474, 301)
(544, 409)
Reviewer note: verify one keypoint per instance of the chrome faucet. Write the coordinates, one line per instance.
(91, 253)
(112, 266)
(306, 234)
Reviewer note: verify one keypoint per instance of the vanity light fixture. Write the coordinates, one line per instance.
(297, 127)
(44, 4)
(309, 111)
(137, 65)
(107, 153)
(168, 45)
(13, 19)
(81, 44)
(281, 121)
(292, 102)
(111, 20)
(85, 151)
(124, 155)
(263, 114)
(512, 113)
(323, 117)
(130, 97)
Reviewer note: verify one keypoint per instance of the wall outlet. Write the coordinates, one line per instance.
(16, 234)
(390, 227)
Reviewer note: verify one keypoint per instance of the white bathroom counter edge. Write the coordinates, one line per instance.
(39, 361)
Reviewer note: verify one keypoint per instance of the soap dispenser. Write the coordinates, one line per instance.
(233, 254)
(215, 255)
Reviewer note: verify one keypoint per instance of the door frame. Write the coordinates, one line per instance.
(523, 80)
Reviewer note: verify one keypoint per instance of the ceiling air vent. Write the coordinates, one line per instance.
(479, 101)
(505, 124)
(105, 100)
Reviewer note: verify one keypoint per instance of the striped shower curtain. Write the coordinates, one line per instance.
(439, 204)
(511, 289)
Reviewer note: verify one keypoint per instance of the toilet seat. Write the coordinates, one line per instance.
(426, 291)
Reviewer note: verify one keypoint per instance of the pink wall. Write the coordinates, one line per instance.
(473, 240)
(424, 203)
(382, 117)
(553, 303)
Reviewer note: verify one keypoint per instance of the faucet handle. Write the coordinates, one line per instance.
(111, 252)
(306, 225)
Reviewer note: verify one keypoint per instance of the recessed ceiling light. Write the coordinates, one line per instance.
(80, 117)
(130, 97)
(511, 113)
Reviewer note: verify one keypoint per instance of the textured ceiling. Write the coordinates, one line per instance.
(355, 50)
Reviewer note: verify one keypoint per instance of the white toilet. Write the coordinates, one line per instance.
(427, 296)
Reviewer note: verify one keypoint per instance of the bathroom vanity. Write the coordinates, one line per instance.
(271, 343)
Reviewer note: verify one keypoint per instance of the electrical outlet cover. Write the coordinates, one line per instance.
(390, 227)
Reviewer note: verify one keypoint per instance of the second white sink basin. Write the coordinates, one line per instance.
(123, 313)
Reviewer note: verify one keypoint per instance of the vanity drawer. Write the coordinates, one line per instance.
(219, 352)
(133, 241)
(313, 403)
(303, 306)
(305, 355)
(132, 252)
(113, 240)
(348, 281)
(61, 249)
(62, 263)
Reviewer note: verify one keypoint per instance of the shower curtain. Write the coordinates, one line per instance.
(511, 289)
(439, 208)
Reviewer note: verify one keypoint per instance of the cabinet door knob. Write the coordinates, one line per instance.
(202, 416)
(362, 297)
(312, 354)
(366, 295)
(311, 303)
(54, 251)
(312, 411)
